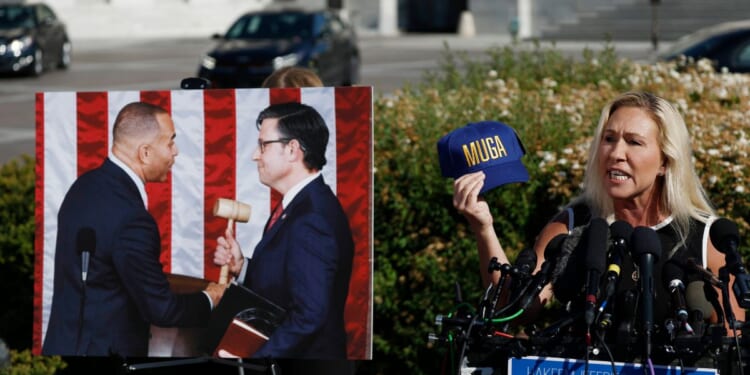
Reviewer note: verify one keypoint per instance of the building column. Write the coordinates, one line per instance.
(525, 19)
(388, 20)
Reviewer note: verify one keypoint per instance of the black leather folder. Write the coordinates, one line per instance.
(241, 304)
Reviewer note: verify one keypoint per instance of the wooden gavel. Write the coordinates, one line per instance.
(233, 211)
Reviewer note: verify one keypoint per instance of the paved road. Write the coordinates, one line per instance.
(388, 64)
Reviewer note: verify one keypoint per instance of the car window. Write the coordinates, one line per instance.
(319, 24)
(705, 47)
(271, 26)
(12, 17)
(742, 57)
(45, 13)
(335, 25)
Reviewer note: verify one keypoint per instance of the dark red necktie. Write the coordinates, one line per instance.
(275, 216)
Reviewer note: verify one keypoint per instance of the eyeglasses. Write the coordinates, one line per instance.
(262, 144)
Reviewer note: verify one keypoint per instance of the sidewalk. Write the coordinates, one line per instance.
(639, 51)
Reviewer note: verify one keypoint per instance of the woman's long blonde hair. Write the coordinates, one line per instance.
(682, 195)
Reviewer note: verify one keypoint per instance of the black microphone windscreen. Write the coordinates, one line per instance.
(596, 245)
(726, 237)
(645, 240)
(526, 260)
(86, 240)
(722, 231)
(696, 299)
(621, 230)
(671, 271)
(553, 247)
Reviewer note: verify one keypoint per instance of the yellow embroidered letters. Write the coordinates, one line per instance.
(483, 150)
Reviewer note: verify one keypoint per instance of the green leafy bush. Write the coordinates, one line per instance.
(423, 247)
(17, 268)
(17, 251)
(24, 363)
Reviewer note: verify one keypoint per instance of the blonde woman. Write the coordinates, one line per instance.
(639, 171)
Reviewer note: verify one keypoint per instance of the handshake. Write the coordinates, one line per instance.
(228, 254)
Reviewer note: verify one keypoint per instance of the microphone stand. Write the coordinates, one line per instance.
(504, 271)
(260, 369)
(731, 319)
(81, 316)
(728, 313)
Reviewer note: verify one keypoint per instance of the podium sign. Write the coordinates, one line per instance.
(557, 366)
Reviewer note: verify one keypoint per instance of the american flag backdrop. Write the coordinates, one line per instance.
(216, 136)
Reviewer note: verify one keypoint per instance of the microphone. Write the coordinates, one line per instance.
(726, 238)
(522, 271)
(542, 277)
(672, 275)
(525, 264)
(596, 246)
(647, 248)
(620, 232)
(86, 246)
(625, 329)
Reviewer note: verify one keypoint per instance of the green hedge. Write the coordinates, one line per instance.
(422, 246)
(24, 363)
(17, 251)
(17, 269)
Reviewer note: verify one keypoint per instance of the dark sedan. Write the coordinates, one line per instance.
(727, 45)
(260, 42)
(32, 39)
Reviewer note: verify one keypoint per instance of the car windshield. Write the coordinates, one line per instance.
(271, 26)
(703, 40)
(12, 17)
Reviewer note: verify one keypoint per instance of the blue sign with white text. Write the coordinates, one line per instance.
(562, 366)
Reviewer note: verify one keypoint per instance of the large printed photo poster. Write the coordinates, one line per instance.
(216, 136)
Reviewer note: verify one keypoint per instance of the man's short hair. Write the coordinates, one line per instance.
(136, 120)
(303, 123)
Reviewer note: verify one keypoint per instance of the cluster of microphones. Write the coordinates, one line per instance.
(592, 306)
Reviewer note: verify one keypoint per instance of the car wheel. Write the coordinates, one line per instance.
(37, 66)
(65, 55)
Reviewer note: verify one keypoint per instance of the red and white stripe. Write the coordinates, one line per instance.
(216, 136)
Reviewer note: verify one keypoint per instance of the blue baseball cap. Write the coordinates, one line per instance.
(488, 146)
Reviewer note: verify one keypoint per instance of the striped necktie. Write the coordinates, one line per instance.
(275, 216)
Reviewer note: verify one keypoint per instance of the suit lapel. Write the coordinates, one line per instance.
(289, 211)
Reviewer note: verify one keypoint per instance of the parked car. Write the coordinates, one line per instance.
(727, 45)
(32, 39)
(260, 42)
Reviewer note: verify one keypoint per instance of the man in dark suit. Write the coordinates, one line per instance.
(303, 261)
(105, 228)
